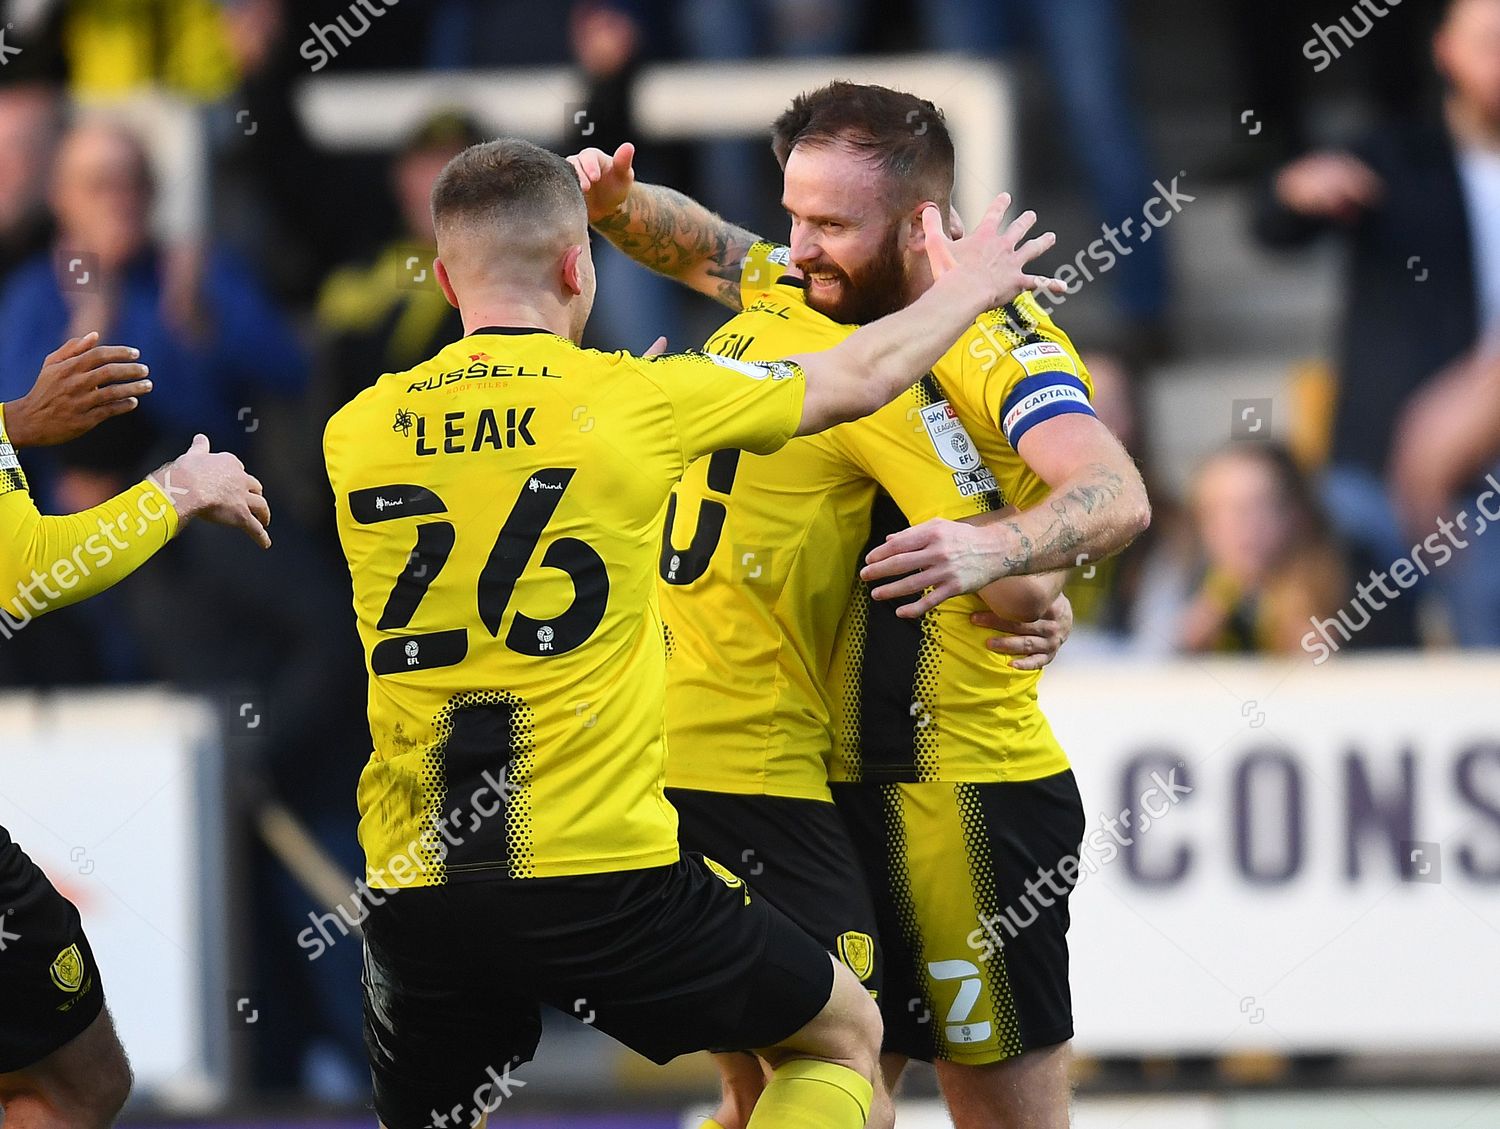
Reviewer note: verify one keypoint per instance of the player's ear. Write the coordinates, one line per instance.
(955, 223)
(916, 234)
(572, 269)
(444, 282)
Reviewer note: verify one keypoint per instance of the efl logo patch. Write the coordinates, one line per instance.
(949, 437)
(8, 460)
(1044, 356)
(781, 256)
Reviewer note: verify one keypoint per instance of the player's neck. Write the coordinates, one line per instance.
(509, 313)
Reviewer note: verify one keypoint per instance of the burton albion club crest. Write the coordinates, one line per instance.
(67, 969)
(857, 950)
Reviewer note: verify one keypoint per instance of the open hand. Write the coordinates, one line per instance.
(945, 556)
(994, 258)
(82, 384)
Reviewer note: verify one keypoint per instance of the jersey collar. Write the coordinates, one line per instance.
(509, 330)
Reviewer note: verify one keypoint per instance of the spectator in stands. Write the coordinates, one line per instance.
(216, 345)
(1419, 204)
(1267, 563)
(1084, 48)
(607, 39)
(387, 314)
(1463, 406)
(29, 121)
(206, 619)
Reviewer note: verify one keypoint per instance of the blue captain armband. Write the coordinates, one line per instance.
(1040, 398)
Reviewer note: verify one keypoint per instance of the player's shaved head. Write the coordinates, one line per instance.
(512, 228)
(901, 135)
(507, 207)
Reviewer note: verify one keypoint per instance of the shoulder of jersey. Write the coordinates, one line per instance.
(1022, 332)
(768, 271)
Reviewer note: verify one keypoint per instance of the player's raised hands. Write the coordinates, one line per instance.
(82, 384)
(214, 486)
(992, 257)
(605, 180)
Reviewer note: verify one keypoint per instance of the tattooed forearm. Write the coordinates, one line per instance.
(676, 236)
(1095, 513)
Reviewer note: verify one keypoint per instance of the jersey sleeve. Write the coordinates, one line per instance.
(764, 263)
(1028, 369)
(720, 402)
(47, 563)
(919, 453)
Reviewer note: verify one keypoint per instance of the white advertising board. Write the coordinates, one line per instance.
(116, 797)
(1331, 881)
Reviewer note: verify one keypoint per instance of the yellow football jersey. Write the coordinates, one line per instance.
(47, 563)
(762, 551)
(926, 699)
(500, 507)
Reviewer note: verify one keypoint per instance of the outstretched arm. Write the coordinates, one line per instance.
(661, 228)
(47, 563)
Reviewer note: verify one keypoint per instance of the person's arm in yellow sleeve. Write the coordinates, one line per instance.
(47, 563)
(1097, 505)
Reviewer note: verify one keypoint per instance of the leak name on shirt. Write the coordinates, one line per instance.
(468, 432)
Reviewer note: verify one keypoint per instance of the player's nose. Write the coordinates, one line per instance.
(804, 248)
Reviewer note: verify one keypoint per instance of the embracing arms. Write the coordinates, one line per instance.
(1096, 506)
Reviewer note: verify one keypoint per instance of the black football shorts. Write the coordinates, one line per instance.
(667, 960)
(49, 987)
(797, 855)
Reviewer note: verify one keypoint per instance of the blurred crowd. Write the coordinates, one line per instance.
(157, 183)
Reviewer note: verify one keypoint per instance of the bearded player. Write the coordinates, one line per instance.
(500, 507)
(950, 781)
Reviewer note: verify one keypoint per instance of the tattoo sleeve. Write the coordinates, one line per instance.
(676, 236)
(1078, 521)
